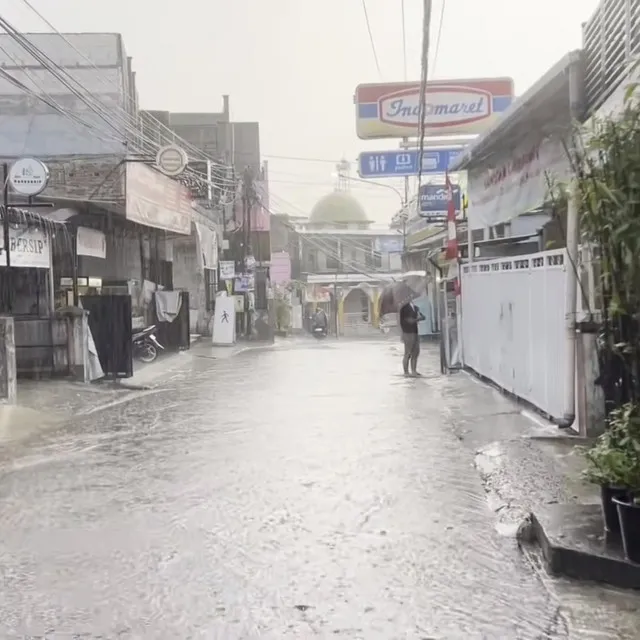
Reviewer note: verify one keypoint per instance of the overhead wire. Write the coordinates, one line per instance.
(117, 121)
(424, 68)
(330, 249)
(404, 39)
(443, 6)
(371, 39)
(197, 153)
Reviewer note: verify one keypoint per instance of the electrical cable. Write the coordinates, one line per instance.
(134, 132)
(197, 153)
(422, 106)
(371, 40)
(404, 40)
(437, 47)
(329, 248)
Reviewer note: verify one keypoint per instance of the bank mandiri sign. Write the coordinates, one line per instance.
(453, 107)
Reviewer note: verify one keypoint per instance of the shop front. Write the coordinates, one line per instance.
(26, 286)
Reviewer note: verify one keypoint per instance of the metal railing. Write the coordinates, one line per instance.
(611, 40)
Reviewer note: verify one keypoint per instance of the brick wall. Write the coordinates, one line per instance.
(99, 179)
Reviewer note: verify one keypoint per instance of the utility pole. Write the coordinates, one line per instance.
(247, 202)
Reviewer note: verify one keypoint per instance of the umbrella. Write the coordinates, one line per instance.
(406, 288)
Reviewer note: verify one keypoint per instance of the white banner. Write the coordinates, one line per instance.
(155, 200)
(28, 247)
(90, 242)
(516, 184)
(227, 269)
(208, 245)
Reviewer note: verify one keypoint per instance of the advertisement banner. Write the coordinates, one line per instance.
(280, 270)
(227, 269)
(434, 200)
(453, 107)
(389, 245)
(155, 200)
(28, 247)
(516, 185)
(91, 242)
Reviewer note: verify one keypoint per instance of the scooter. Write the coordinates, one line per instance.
(146, 345)
(319, 332)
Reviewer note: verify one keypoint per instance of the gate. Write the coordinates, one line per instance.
(110, 324)
(176, 335)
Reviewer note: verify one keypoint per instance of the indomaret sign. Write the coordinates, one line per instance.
(452, 107)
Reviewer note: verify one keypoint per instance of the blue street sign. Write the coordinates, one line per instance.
(434, 201)
(389, 164)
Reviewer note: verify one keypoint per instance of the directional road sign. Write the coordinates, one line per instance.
(404, 162)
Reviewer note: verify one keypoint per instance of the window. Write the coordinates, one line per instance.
(210, 286)
(333, 264)
(312, 260)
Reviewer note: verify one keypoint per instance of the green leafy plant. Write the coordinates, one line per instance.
(614, 459)
(605, 161)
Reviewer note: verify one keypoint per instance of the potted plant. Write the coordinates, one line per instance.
(606, 468)
(613, 462)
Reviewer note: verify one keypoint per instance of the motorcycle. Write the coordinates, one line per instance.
(319, 332)
(146, 345)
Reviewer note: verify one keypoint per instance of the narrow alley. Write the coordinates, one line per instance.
(304, 491)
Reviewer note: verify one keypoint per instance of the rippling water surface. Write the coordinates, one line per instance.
(293, 493)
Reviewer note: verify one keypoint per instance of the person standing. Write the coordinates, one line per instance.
(409, 317)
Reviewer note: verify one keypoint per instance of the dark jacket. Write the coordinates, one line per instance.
(409, 316)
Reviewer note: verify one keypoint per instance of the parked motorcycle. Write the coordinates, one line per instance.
(146, 345)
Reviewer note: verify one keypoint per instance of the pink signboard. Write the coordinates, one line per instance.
(280, 271)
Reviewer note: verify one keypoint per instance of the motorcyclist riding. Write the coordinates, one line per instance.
(320, 319)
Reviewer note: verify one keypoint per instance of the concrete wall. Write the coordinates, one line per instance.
(28, 126)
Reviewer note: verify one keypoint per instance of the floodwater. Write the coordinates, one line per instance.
(304, 492)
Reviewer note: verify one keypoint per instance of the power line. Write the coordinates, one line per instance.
(173, 137)
(437, 48)
(371, 40)
(298, 158)
(426, 26)
(404, 41)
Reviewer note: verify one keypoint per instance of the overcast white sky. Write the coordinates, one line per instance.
(293, 65)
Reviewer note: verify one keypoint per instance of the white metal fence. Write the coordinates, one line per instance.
(513, 325)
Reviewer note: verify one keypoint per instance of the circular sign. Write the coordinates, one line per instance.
(28, 176)
(171, 160)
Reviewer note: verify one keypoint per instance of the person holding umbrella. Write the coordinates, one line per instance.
(397, 297)
(410, 315)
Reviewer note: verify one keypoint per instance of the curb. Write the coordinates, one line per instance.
(571, 538)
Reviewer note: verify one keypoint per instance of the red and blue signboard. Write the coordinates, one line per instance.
(452, 107)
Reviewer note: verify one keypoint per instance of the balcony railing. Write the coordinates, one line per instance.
(611, 40)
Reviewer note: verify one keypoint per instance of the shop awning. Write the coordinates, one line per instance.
(543, 110)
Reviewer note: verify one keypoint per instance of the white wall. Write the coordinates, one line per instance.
(513, 325)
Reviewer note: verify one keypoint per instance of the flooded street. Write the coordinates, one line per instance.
(299, 492)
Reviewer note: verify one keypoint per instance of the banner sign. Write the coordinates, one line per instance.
(28, 247)
(387, 164)
(516, 185)
(154, 200)
(453, 107)
(227, 269)
(91, 242)
(434, 199)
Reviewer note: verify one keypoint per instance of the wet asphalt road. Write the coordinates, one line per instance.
(305, 492)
